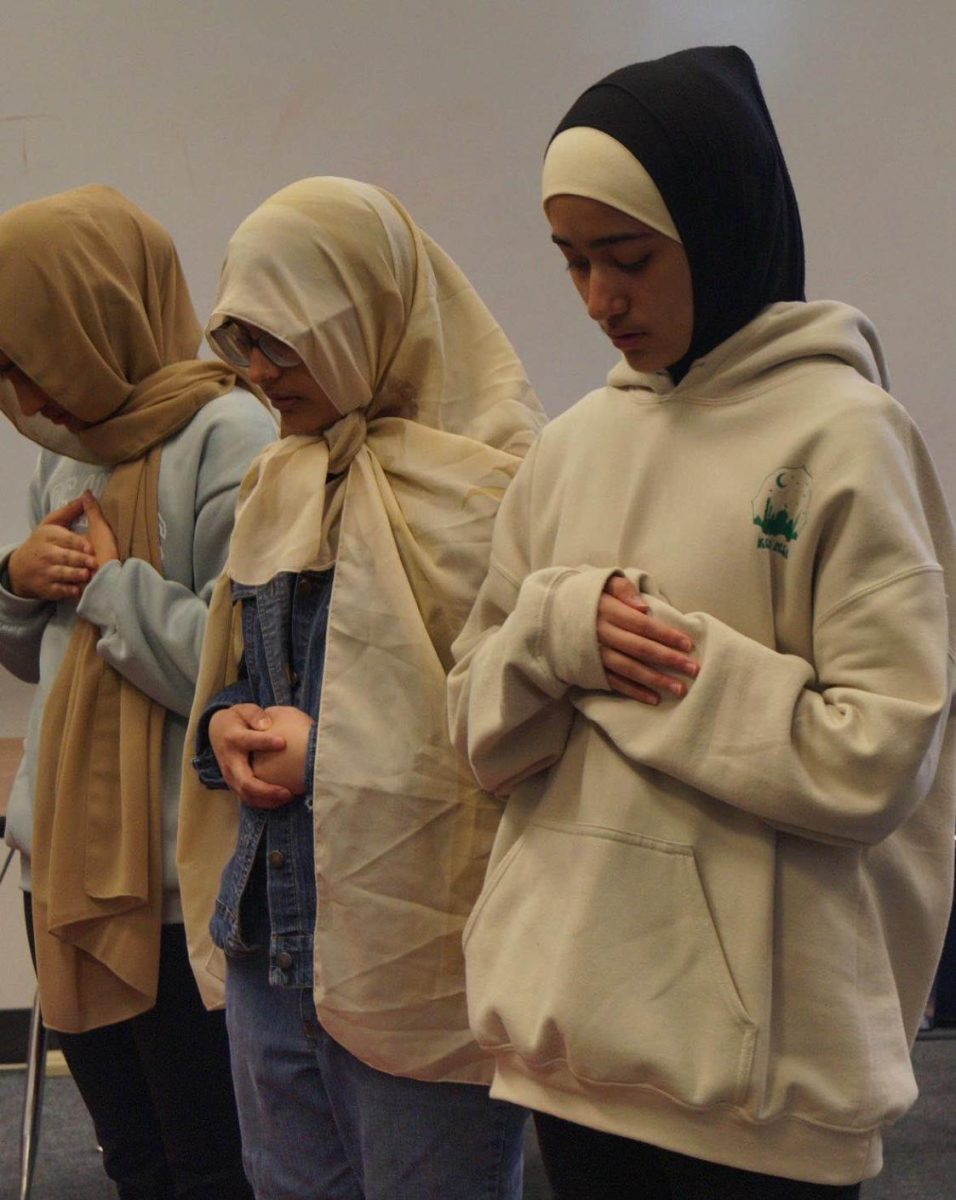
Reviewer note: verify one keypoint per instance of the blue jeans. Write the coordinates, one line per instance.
(318, 1124)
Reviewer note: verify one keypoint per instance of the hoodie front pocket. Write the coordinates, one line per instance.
(595, 948)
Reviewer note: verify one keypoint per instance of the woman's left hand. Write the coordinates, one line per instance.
(641, 657)
(99, 533)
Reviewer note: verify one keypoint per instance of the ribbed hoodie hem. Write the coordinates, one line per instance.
(786, 1146)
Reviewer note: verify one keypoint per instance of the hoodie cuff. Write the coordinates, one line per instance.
(571, 632)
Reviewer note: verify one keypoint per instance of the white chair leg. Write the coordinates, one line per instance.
(32, 1098)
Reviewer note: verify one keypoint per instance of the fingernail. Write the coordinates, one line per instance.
(677, 688)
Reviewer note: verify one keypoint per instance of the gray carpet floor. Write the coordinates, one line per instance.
(920, 1150)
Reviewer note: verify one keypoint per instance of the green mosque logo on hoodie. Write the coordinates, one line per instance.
(780, 508)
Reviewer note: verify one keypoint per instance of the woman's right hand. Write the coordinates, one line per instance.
(286, 767)
(236, 734)
(54, 563)
(640, 655)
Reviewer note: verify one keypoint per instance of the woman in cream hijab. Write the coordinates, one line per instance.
(104, 605)
(361, 540)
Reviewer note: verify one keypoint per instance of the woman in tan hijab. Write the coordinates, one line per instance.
(360, 542)
(104, 605)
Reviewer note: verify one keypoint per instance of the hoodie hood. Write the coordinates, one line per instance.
(779, 338)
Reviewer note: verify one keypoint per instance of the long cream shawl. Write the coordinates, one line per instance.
(97, 313)
(402, 492)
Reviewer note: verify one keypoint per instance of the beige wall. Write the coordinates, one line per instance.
(199, 110)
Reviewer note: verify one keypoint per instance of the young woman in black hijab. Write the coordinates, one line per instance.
(710, 671)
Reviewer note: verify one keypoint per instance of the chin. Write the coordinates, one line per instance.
(290, 427)
(642, 361)
(304, 425)
(650, 362)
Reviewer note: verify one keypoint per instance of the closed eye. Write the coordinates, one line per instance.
(580, 266)
(633, 268)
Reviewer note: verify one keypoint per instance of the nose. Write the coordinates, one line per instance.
(261, 369)
(605, 297)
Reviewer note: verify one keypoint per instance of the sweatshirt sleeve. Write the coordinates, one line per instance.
(528, 639)
(151, 628)
(843, 753)
(22, 623)
(22, 620)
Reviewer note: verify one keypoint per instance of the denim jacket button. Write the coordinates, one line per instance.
(293, 677)
(284, 960)
(276, 859)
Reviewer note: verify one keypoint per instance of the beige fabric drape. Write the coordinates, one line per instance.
(97, 313)
(402, 493)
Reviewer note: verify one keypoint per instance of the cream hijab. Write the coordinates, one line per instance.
(401, 493)
(95, 310)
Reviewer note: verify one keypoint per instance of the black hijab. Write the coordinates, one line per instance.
(699, 125)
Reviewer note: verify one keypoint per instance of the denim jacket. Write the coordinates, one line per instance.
(283, 633)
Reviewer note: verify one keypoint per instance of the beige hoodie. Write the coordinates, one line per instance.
(712, 925)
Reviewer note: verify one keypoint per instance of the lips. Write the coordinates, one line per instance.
(629, 341)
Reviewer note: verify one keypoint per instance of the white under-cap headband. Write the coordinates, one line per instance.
(587, 162)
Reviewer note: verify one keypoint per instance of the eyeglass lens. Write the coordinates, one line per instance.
(237, 343)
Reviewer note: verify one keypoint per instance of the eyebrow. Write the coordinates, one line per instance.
(612, 239)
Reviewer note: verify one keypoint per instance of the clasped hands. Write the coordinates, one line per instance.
(642, 657)
(55, 563)
(262, 752)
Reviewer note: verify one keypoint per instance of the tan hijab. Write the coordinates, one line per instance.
(402, 493)
(95, 310)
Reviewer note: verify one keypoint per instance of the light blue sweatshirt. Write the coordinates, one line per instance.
(151, 625)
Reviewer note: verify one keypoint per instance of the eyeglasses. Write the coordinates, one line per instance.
(236, 344)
